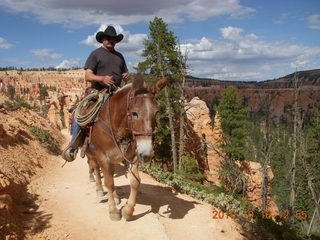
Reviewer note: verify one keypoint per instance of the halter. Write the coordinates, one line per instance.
(129, 118)
(128, 163)
(129, 115)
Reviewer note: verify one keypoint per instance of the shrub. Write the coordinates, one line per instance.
(189, 168)
(11, 91)
(46, 139)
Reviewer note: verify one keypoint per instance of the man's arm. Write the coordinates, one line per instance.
(91, 77)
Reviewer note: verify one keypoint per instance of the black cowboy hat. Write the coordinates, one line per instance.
(109, 32)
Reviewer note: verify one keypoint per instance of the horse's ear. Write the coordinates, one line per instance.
(137, 82)
(159, 85)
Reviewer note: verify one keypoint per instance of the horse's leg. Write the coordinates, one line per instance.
(94, 168)
(127, 210)
(115, 195)
(108, 171)
(91, 170)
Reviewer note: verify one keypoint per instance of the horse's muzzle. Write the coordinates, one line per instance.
(145, 148)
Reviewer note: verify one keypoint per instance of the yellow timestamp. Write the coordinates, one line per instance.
(283, 214)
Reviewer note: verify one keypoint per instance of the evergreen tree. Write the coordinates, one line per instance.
(43, 93)
(234, 122)
(312, 171)
(233, 118)
(163, 59)
(313, 150)
(11, 92)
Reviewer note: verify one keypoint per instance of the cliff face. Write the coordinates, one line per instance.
(21, 157)
(65, 89)
(204, 147)
(277, 93)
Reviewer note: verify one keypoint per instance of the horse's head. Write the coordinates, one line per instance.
(142, 111)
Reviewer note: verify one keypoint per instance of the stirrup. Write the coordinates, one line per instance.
(69, 154)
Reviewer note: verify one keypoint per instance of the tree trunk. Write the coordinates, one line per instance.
(313, 216)
(182, 108)
(294, 146)
(173, 138)
(308, 174)
(169, 112)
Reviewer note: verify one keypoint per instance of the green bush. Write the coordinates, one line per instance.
(189, 168)
(21, 102)
(261, 227)
(46, 139)
(11, 92)
(16, 104)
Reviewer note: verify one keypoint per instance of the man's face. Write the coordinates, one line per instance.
(109, 42)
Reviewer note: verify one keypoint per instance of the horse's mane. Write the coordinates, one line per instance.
(129, 85)
(124, 87)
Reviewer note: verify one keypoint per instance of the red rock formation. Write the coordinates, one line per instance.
(64, 88)
(204, 134)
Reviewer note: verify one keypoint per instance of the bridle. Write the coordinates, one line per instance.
(130, 99)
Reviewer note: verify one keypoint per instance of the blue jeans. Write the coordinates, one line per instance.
(75, 129)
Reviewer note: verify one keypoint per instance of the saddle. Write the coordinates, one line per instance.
(85, 114)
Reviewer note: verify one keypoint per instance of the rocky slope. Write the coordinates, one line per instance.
(21, 157)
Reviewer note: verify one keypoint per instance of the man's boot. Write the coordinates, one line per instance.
(70, 152)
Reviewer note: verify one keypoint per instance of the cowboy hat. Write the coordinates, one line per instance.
(109, 32)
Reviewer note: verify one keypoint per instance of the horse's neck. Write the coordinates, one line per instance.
(118, 112)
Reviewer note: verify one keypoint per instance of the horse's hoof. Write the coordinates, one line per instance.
(100, 193)
(117, 201)
(127, 215)
(115, 216)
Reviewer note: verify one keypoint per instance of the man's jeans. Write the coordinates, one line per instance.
(75, 129)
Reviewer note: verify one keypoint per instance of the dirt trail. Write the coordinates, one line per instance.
(69, 209)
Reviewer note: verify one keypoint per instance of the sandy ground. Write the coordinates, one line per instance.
(66, 207)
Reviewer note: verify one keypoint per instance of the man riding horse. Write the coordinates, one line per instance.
(123, 128)
(104, 67)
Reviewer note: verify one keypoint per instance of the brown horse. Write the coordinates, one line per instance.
(124, 133)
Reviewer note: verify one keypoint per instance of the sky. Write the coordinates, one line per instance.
(239, 40)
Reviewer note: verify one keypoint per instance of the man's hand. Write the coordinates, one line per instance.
(108, 80)
(125, 76)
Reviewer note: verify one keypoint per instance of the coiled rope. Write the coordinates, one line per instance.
(85, 119)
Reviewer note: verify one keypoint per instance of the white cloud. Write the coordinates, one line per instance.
(314, 21)
(132, 44)
(82, 12)
(69, 63)
(242, 56)
(231, 33)
(4, 44)
(45, 53)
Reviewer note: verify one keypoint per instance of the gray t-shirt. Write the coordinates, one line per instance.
(104, 62)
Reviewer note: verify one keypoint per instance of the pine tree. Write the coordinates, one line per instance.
(162, 59)
(233, 118)
(311, 166)
(234, 122)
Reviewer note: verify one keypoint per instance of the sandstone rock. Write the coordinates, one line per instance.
(4, 182)
(199, 116)
(6, 202)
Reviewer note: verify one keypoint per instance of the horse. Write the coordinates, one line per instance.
(124, 132)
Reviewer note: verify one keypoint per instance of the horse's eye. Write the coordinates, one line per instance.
(135, 114)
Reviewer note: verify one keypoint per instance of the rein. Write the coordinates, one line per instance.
(130, 127)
